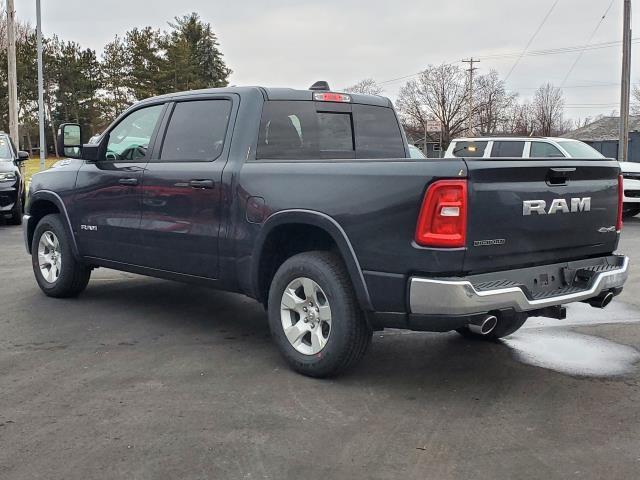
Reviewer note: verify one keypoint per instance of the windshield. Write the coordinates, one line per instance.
(580, 150)
(5, 150)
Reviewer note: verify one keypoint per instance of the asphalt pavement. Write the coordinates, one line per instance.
(141, 378)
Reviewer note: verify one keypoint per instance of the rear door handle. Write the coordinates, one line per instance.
(201, 183)
(128, 181)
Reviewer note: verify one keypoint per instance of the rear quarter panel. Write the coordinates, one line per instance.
(376, 203)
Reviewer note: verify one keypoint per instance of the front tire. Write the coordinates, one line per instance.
(16, 212)
(314, 316)
(58, 273)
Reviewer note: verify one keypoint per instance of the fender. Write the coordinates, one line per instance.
(54, 198)
(333, 228)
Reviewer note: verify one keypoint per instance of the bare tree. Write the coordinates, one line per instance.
(635, 103)
(492, 103)
(519, 120)
(368, 86)
(439, 92)
(548, 110)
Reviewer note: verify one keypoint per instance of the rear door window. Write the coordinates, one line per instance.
(544, 150)
(469, 149)
(196, 131)
(507, 149)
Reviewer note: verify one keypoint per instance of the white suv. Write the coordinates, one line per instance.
(546, 147)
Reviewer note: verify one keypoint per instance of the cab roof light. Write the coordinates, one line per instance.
(331, 97)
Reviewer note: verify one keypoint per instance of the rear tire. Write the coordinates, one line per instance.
(314, 316)
(630, 211)
(507, 325)
(57, 271)
(16, 213)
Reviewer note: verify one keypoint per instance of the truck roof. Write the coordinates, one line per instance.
(274, 93)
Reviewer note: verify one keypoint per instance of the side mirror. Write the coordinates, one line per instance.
(23, 156)
(69, 140)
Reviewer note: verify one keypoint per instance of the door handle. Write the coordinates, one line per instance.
(559, 176)
(201, 184)
(128, 181)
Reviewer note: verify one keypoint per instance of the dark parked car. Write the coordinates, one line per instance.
(12, 191)
(306, 200)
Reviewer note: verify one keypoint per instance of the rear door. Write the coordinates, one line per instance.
(526, 212)
(182, 189)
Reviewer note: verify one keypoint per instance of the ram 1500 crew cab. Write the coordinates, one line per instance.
(306, 200)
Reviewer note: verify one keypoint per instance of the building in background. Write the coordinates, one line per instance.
(603, 135)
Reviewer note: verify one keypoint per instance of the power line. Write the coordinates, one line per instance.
(535, 34)
(532, 53)
(573, 65)
(569, 86)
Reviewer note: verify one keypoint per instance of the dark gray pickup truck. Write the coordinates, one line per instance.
(306, 201)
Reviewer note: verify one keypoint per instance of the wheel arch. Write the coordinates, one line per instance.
(44, 203)
(317, 220)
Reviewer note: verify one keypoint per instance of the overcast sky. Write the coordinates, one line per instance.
(295, 42)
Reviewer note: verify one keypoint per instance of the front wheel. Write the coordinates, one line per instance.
(314, 316)
(57, 271)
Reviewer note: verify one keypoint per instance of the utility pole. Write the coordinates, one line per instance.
(470, 70)
(623, 144)
(11, 76)
(40, 87)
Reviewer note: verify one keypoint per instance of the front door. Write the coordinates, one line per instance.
(107, 202)
(181, 193)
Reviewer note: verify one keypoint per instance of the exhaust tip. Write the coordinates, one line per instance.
(602, 301)
(606, 300)
(486, 326)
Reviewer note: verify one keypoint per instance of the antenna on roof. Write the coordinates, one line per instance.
(320, 85)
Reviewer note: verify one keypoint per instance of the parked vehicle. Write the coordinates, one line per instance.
(631, 195)
(548, 147)
(520, 147)
(12, 191)
(415, 152)
(307, 202)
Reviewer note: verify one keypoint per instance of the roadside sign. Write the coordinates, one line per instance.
(434, 126)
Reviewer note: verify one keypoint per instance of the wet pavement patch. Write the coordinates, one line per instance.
(572, 353)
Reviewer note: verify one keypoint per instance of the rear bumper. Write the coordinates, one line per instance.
(432, 296)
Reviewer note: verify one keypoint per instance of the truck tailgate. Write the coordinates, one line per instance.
(532, 212)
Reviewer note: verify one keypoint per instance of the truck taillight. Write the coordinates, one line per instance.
(443, 217)
(620, 203)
